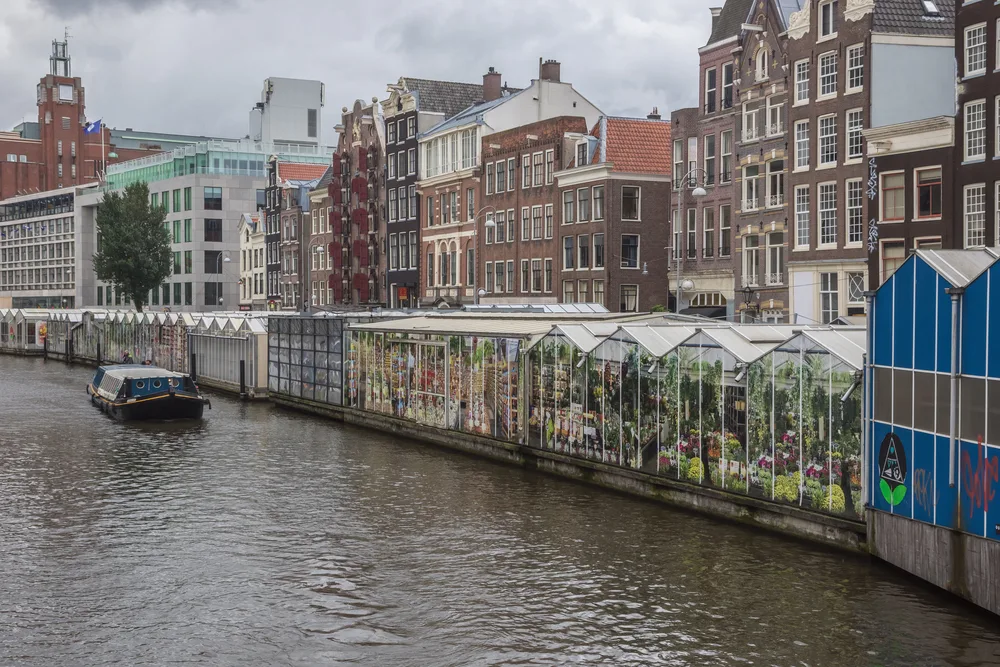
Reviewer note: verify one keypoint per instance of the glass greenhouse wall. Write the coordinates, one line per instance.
(460, 382)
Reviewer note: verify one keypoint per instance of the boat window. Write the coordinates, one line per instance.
(173, 382)
(156, 384)
(139, 384)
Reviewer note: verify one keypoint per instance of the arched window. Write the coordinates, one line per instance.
(761, 62)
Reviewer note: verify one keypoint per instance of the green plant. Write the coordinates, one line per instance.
(764, 479)
(658, 308)
(695, 470)
(735, 484)
(838, 500)
(786, 487)
(684, 466)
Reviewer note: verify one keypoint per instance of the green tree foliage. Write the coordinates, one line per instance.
(134, 250)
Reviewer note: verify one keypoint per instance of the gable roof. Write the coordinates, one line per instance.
(959, 267)
(636, 145)
(297, 171)
(325, 179)
(446, 97)
(907, 17)
(734, 14)
(468, 115)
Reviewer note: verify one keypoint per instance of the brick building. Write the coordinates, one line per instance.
(613, 219)
(519, 256)
(450, 174)
(761, 234)
(413, 106)
(318, 256)
(703, 147)
(357, 216)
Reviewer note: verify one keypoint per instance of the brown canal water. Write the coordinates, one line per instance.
(265, 537)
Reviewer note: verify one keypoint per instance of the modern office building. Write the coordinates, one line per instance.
(290, 111)
(205, 189)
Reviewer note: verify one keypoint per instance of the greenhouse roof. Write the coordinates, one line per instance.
(735, 342)
(657, 340)
(586, 337)
(508, 326)
(959, 267)
(845, 343)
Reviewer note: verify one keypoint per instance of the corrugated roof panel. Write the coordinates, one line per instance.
(959, 267)
(846, 344)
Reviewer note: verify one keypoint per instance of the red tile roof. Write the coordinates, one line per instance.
(637, 145)
(297, 171)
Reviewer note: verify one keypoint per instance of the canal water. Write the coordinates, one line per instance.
(264, 537)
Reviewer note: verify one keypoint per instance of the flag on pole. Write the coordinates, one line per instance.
(92, 128)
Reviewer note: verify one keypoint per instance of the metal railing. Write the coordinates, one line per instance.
(218, 359)
(751, 134)
(749, 205)
(773, 278)
(776, 200)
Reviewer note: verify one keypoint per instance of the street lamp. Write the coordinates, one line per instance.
(698, 192)
(222, 259)
(490, 223)
(749, 306)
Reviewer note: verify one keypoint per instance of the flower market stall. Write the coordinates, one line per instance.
(804, 415)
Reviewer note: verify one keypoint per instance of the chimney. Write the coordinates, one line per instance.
(716, 11)
(548, 70)
(491, 85)
(655, 115)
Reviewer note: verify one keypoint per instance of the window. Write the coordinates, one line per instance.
(188, 261)
(550, 163)
(525, 171)
(411, 161)
(775, 258)
(430, 268)
(750, 131)
(189, 296)
(499, 286)
(678, 155)
(567, 291)
(583, 204)
(526, 224)
(829, 297)
(430, 211)
(975, 215)
(213, 199)
(599, 292)
(727, 92)
(525, 276)
(630, 251)
(490, 229)
(751, 187)
(975, 130)
(975, 49)
(490, 179)
(213, 230)
(583, 250)
(549, 220)
(393, 204)
(855, 213)
(801, 82)
(510, 173)
(709, 159)
(187, 199)
(177, 263)
(711, 87)
(501, 229)
(213, 261)
(537, 169)
(855, 67)
(390, 128)
(828, 74)
(548, 274)
(404, 252)
(392, 165)
(692, 233)
(536, 223)
(568, 254)
(470, 261)
(828, 140)
(598, 251)
(187, 230)
(536, 275)
(760, 62)
(828, 18)
(501, 177)
(393, 252)
(567, 207)
(802, 144)
(856, 287)
(708, 228)
(775, 123)
(628, 301)
(751, 260)
(630, 202)
(311, 122)
(776, 183)
(855, 141)
(177, 231)
(727, 157)
(828, 214)
(725, 214)
(893, 197)
(411, 213)
(581, 154)
(581, 291)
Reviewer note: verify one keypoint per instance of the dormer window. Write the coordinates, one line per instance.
(828, 19)
(581, 153)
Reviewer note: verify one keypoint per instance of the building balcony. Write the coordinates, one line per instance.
(773, 278)
(749, 205)
(751, 134)
(749, 280)
(774, 201)
(775, 129)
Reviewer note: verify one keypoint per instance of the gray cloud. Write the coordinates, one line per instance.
(197, 67)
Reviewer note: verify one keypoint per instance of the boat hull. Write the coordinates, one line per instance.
(159, 407)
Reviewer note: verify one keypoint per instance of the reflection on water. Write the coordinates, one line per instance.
(262, 537)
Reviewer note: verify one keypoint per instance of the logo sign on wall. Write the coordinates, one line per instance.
(892, 469)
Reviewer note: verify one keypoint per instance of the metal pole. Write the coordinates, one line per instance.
(679, 245)
(194, 367)
(243, 378)
(98, 352)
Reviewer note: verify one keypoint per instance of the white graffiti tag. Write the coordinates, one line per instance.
(872, 179)
(872, 235)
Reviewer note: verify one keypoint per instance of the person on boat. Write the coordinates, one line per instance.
(126, 358)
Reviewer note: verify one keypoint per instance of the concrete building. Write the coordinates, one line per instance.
(205, 189)
(290, 111)
(702, 278)
(613, 222)
(38, 249)
(852, 66)
(252, 266)
(413, 107)
(520, 254)
(451, 166)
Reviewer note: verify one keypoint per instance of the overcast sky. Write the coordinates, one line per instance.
(177, 66)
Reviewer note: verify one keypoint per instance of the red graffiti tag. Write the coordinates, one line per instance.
(978, 482)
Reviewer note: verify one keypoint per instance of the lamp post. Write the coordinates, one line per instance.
(749, 306)
(698, 192)
(218, 270)
(490, 223)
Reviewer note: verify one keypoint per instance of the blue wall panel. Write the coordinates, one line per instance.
(944, 327)
(903, 330)
(945, 494)
(972, 515)
(991, 468)
(974, 329)
(882, 323)
(921, 478)
(925, 352)
(994, 322)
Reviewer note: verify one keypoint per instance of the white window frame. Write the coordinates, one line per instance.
(824, 241)
(775, 107)
(916, 192)
(726, 158)
(967, 69)
(638, 253)
(802, 219)
(981, 128)
(751, 183)
(802, 68)
(751, 256)
(855, 59)
(751, 130)
(825, 79)
(711, 93)
(830, 121)
(801, 145)
(979, 240)
(854, 204)
(638, 197)
(832, 312)
(774, 199)
(834, 6)
(854, 122)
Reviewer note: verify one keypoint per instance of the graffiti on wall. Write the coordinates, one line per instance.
(978, 482)
(892, 469)
(923, 490)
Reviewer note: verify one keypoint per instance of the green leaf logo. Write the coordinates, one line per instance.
(897, 495)
(883, 486)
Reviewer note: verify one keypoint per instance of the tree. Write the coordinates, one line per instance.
(133, 243)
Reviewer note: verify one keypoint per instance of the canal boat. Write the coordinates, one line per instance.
(135, 392)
